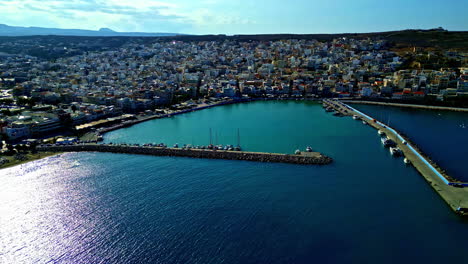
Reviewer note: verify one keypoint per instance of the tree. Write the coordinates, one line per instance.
(10, 148)
(6, 112)
(6, 101)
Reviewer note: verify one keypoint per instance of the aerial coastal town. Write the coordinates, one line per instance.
(42, 99)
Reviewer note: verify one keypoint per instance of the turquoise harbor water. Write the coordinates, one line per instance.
(442, 135)
(366, 207)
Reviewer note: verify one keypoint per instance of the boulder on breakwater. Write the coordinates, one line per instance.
(311, 159)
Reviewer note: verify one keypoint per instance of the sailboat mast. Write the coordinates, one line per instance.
(210, 137)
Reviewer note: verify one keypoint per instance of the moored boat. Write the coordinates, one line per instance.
(395, 151)
(387, 142)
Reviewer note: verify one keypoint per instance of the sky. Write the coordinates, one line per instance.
(237, 16)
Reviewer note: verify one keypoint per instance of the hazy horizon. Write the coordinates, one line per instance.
(240, 17)
(259, 33)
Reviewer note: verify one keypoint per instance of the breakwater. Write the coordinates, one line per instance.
(430, 107)
(310, 158)
(451, 191)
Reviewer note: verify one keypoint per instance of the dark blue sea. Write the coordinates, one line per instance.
(366, 207)
(442, 135)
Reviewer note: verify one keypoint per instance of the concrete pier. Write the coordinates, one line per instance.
(452, 191)
(339, 108)
(312, 158)
(415, 106)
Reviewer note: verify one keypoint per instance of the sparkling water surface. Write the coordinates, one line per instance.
(366, 207)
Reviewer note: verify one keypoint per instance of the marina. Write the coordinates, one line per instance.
(167, 199)
(450, 189)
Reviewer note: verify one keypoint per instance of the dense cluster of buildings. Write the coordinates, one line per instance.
(39, 96)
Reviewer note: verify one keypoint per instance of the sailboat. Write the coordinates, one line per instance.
(210, 146)
(238, 147)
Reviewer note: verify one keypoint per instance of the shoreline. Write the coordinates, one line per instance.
(31, 157)
(105, 130)
(415, 106)
(443, 184)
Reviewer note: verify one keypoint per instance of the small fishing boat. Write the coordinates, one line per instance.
(386, 142)
(406, 161)
(395, 151)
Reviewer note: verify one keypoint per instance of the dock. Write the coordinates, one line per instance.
(311, 158)
(415, 106)
(452, 191)
(337, 107)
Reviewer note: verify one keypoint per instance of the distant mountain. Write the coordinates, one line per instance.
(6, 30)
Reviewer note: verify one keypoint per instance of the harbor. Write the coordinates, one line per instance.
(90, 133)
(308, 158)
(363, 184)
(450, 189)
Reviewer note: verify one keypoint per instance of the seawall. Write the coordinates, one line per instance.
(430, 107)
(450, 191)
(313, 158)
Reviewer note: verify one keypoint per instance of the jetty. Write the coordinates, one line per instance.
(415, 106)
(337, 107)
(452, 191)
(309, 158)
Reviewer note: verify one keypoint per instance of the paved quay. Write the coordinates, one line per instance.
(309, 158)
(430, 107)
(451, 190)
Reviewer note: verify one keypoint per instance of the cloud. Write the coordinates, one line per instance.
(183, 16)
(92, 14)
